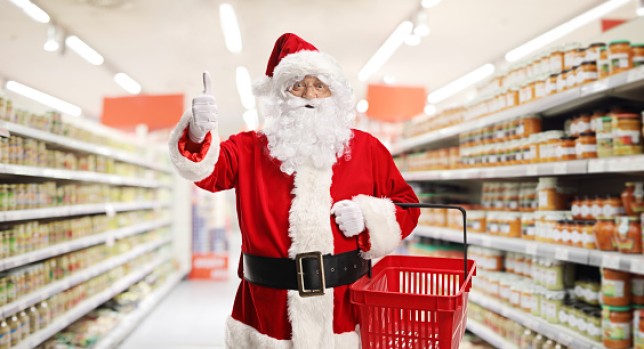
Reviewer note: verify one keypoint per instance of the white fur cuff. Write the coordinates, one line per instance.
(188, 169)
(380, 219)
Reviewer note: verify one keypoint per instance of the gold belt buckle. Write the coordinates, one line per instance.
(300, 274)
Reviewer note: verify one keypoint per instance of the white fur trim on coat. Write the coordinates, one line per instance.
(311, 318)
(242, 336)
(188, 169)
(380, 218)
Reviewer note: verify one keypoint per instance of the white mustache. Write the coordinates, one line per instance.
(298, 102)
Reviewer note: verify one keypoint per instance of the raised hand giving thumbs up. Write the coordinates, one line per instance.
(204, 112)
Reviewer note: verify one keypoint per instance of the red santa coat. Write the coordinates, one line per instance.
(282, 215)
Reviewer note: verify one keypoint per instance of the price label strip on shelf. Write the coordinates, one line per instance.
(635, 74)
(610, 261)
(561, 253)
(4, 131)
(637, 265)
(531, 249)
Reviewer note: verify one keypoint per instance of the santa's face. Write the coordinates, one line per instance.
(306, 126)
(310, 87)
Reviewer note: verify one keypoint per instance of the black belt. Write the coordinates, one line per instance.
(303, 272)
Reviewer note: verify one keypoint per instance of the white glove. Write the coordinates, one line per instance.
(349, 217)
(204, 112)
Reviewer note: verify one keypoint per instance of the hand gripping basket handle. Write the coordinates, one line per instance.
(449, 207)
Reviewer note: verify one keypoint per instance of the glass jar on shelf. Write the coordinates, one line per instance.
(638, 55)
(586, 146)
(627, 134)
(628, 236)
(620, 56)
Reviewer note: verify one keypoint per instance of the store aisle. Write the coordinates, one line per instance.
(193, 316)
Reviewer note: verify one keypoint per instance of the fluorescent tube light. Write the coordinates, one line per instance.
(386, 50)
(230, 27)
(429, 3)
(560, 31)
(83, 50)
(251, 119)
(127, 83)
(362, 106)
(43, 98)
(244, 87)
(412, 40)
(461, 83)
(430, 109)
(51, 44)
(32, 10)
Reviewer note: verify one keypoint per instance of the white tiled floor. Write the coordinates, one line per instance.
(192, 316)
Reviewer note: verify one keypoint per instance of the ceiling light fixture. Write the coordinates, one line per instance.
(43, 98)
(429, 3)
(430, 109)
(412, 40)
(386, 50)
(84, 50)
(561, 30)
(640, 8)
(461, 83)
(127, 83)
(230, 27)
(362, 106)
(251, 119)
(32, 10)
(244, 88)
(51, 45)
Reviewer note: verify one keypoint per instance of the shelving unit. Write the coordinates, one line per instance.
(79, 210)
(612, 260)
(154, 175)
(80, 146)
(84, 176)
(488, 335)
(622, 84)
(88, 305)
(78, 278)
(558, 333)
(625, 87)
(131, 321)
(78, 244)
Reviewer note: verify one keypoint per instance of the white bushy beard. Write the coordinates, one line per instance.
(301, 136)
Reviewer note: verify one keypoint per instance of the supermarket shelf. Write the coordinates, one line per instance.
(488, 335)
(86, 176)
(77, 278)
(88, 305)
(81, 146)
(623, 164)
(612, 260)
(78, 210)
(111, 235)
(132, 321)
(558, 333)
(558, 103)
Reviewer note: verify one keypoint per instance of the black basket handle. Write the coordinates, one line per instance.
(449, 207)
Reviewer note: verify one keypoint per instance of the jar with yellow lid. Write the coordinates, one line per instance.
(617, 327)
(586, 146)
(620, 56)
(638, 55)
(627, 134)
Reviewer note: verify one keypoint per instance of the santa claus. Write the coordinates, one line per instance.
(315, 201)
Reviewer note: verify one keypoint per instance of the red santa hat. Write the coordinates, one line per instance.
(292, 59)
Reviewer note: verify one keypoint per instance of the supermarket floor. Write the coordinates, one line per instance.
(192, 316)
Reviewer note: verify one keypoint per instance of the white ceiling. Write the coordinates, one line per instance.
(166, 44)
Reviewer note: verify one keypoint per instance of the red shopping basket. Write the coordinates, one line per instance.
(413, 302)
